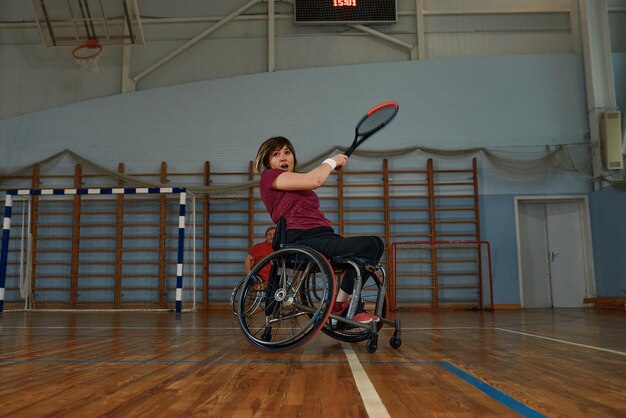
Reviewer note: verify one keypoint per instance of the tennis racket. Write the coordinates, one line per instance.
(374, 120)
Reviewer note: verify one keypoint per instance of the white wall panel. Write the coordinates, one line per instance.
(33, 78)
(441, 45)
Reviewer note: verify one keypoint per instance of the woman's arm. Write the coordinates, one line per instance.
(249, 263)
(311, 180)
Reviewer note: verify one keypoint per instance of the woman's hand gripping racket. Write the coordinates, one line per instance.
(374, 120)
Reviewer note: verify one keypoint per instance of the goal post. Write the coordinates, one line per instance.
(441, 275)
(100, 268)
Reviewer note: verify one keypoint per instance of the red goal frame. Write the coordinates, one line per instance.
(479, 244)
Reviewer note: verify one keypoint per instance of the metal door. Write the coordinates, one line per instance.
(552, 256)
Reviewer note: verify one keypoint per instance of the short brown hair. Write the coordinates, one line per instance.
(262, 161)
(267, 231)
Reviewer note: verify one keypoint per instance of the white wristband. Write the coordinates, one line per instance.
(332, 163)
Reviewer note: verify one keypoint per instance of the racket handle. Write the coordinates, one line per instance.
(349, 151)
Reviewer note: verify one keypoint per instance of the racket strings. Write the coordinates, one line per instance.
(376, 120)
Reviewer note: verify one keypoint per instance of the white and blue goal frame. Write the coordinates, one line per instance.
(6, 228)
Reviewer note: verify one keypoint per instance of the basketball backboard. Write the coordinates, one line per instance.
(75, 22)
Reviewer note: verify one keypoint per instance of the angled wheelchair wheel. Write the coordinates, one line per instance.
(254, 297)
(369, 295)
(296, 303)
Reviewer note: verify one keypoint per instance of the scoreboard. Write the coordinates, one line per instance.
(345, 11)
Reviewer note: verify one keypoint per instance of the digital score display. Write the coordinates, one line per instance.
(345, 11)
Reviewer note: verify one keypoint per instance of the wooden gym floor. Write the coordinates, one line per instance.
(556, 363)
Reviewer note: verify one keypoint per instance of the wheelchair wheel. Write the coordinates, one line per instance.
(296, 304)
(254, 298)
(344, 332)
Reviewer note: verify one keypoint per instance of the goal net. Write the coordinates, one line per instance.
(441, 275)
(127, 248)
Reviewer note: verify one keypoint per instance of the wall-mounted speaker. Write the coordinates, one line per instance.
(611, 139)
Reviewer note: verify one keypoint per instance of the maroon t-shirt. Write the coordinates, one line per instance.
(300, 208)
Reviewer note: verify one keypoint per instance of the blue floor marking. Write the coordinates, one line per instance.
(504, 399)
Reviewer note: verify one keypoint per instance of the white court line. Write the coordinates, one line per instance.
(564, 342)
(374, 406)
(591, 347)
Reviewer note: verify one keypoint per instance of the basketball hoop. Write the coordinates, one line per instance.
(87, 54)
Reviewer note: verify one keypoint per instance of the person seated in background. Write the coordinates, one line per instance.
(258, 252)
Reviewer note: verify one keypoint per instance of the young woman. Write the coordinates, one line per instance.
(289, 194)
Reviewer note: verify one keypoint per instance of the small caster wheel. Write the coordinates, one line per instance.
(372, 344)
(267, 334)
(395, 341)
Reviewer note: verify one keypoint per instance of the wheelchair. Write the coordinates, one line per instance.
(297, 300)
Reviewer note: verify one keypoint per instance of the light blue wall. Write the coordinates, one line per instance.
(607, 209)
(446, 103)
(497, 221)
(513, 102)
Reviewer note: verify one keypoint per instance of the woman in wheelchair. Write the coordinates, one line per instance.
(290, 195)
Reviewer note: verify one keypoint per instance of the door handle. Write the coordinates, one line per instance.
(552, 256)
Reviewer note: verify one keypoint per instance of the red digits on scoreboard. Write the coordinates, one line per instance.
(341, 3)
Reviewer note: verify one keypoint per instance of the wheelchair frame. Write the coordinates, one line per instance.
(297, 301)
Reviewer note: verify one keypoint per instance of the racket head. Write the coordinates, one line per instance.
(376, 118)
